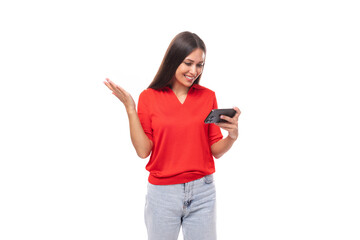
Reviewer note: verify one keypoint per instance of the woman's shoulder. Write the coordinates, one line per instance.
(145, 94)
(149, 93)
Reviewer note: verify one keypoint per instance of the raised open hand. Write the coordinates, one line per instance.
(122, 95)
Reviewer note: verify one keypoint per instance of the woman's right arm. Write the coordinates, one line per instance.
(140, 141)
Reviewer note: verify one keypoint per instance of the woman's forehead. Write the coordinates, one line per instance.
(197, 55)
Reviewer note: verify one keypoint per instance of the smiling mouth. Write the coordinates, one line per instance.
(189, 78)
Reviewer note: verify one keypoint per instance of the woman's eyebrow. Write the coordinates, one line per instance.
(188, 59)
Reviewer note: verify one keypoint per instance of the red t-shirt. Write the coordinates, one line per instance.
(182, 141)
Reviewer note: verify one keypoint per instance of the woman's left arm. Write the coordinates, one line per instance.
(219, 148)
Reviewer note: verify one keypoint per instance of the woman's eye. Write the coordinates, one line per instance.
(198, 65)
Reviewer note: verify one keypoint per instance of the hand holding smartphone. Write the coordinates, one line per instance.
(214, 115)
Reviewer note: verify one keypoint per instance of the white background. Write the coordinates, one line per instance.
(68, 169)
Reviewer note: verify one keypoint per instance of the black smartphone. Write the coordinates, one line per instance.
(214, 115)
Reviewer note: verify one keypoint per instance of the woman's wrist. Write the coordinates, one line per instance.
(130, 110)
(232, 138)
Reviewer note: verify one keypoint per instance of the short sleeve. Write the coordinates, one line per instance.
(144, 113)
(215, 134)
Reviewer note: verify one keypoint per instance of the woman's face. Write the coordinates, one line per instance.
(190, 68)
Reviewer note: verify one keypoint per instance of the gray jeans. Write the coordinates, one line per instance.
(191, 205)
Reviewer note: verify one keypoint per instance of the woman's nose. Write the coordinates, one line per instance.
(193, 69)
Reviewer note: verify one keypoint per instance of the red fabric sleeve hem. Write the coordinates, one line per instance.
(216, 140)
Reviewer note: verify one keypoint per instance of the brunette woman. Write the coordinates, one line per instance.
(169, 125)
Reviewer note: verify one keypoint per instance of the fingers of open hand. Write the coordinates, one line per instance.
(112, 85)
(117, 91)
(122, 91)
(108, 85)
(121, 94)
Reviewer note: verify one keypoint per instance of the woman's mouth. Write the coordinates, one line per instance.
(189, 78)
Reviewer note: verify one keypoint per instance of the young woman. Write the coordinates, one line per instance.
(169, 125)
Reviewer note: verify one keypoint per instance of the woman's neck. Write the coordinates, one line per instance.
(179, 89)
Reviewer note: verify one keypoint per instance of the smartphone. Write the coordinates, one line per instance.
(214, 115)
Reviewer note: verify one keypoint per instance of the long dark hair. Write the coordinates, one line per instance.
(180, 47)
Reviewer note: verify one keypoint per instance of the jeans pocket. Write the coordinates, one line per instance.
(209, 179)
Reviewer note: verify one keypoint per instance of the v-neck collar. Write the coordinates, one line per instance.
(187, 95)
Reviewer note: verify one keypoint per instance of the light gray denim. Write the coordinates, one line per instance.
(191, 205)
